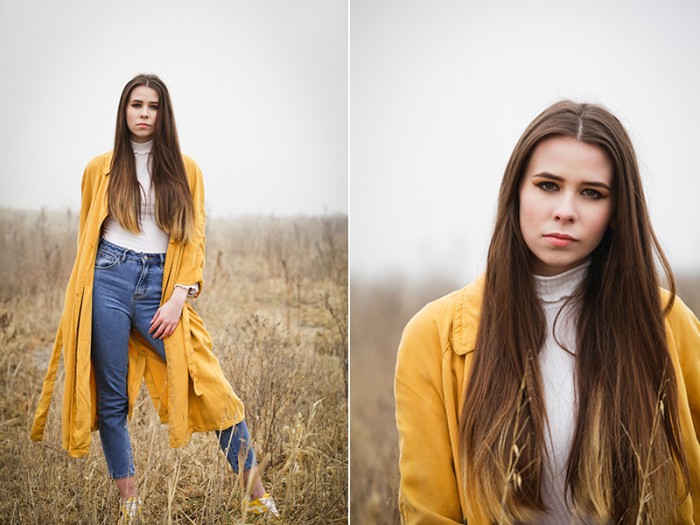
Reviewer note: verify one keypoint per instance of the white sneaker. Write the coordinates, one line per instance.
(130, 511)
(263, 505)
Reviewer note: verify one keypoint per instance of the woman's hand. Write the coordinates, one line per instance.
(167, 317)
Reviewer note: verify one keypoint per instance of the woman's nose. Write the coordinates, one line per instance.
(565, 210)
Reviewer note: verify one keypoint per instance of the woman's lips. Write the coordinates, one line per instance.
(560, 239)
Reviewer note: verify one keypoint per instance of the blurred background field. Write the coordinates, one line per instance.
(275, 302)
(379, 311)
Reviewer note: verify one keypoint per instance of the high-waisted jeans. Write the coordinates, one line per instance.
(126, 295)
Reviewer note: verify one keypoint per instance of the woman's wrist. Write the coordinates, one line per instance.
(179, 294)
(192, 290)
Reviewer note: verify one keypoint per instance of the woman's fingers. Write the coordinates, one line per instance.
(164, 330)
(165, 321)
(158, 326)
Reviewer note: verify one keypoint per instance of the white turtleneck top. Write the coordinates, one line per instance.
(557, 366)
(151, 239)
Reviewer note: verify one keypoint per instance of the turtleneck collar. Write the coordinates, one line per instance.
(559, 287)
(141, 148)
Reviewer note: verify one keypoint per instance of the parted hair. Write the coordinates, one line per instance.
(626, 453)
(174, 209)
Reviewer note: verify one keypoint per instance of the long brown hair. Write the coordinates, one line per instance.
(173, 200)
(626, 446)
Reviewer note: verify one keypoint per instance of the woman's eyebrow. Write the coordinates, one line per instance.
(551, 176)
(547, 175)
(596, 184)
(141, 101)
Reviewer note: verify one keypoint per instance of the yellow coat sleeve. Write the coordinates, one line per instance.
(428, 491)
(683, 333)
(191, 267)
(85, 202)
(41, 415)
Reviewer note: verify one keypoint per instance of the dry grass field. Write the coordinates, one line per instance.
(275, 301)
(378, 312)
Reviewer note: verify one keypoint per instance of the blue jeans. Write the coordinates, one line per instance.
(126, 295)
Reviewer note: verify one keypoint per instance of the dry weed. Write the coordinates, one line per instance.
(379, 311)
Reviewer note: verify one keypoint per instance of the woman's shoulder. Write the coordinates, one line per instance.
(469, 296)
(452, 319)
(100, 164)
(193, 172)
(190, 164)
(681, 320)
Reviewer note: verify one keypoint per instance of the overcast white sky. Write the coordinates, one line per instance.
(441, 91)
(259, 91)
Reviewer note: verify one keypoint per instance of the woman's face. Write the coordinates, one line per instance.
(565, 203)
(142, 113)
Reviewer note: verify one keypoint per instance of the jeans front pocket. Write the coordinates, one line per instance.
(105, 260)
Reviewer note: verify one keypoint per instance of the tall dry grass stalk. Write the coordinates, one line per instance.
(513, 476)
(290, 375)
(646, 464)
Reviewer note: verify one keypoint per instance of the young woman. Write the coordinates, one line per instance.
(126, 316)
(563, 386)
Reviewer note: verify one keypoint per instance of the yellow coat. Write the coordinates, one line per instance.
(432, 371)
(190, 392)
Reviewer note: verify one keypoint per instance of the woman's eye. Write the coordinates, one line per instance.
(135, 105)
(548, 186)
(593, 194)
(154, 108)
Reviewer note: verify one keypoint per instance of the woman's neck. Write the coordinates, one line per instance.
(562, 286)
(141, 148)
